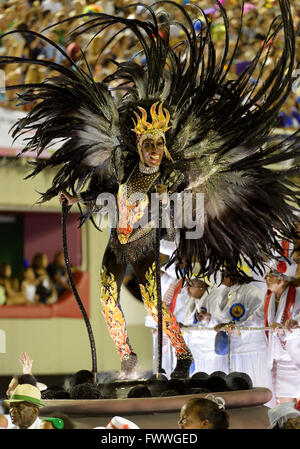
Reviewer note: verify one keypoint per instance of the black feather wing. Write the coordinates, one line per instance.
(74, 110)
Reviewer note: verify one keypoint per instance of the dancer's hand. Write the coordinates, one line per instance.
(162, 192)
(69, 198)
(26, 363)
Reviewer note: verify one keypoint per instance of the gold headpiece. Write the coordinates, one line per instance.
(159, 123)
(157, 128)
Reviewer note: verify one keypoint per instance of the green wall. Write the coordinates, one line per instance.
(61, 345)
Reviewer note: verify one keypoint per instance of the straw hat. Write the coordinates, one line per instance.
(26, 393)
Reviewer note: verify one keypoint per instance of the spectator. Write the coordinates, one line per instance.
(55, 393)
(176, 385)
(24, 406)
(86, 390)
(82, 376)
(9, 294)
(257, 17)
(29, 284)
(139, 391)
(45, 287)
(204, 413)
(73, 50)
(26, 378)
(108, 391)
(58, 273)
(168, 392)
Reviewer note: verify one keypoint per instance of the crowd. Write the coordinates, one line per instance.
(38, 283)
(39, 14)
(21, 408)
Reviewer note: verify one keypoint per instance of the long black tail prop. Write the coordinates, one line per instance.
(159, 299)
(65, 210)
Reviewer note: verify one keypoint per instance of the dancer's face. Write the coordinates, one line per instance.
(153, 151)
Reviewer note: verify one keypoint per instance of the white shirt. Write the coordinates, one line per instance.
(208, 300)
(35, 425)
(252, 301)
(201, 342)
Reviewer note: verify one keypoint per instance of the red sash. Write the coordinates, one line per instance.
(176, 293)
(290, 301)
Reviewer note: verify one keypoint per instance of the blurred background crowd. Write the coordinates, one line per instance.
(39, 282)
(39, 14)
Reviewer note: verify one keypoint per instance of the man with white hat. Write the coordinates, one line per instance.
(24, 406)
(282, 314)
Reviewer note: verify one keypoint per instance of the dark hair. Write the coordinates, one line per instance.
(177, 385)
(168, 392)
(23, 273)
(54, 393)
(85, 391)
(207, 409)
(57, 254)
(5, 406)
(61, 394)
(139, 391)
(37, 261)
(27, 379)
(108, 391)
(81, 377)
(3, 266)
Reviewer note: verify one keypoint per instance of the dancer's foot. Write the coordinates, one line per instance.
(182, 369)
(128, 367)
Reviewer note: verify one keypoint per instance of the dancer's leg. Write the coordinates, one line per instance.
(145, 271)
(112, 275)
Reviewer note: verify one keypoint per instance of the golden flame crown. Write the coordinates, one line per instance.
(159, 123)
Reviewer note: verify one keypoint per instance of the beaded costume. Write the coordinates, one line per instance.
(217, 140)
